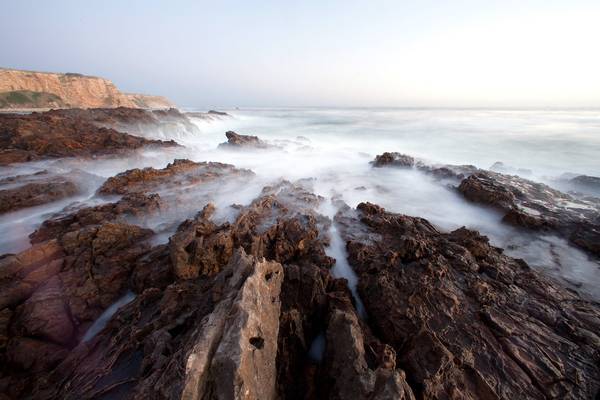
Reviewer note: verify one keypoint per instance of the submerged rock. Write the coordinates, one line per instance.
(393, 159)
(235, 140)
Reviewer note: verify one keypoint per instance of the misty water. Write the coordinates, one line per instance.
(335, 146)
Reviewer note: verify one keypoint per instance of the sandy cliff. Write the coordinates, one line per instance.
(27, 89)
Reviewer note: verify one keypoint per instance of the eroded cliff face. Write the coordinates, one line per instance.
(27, 89)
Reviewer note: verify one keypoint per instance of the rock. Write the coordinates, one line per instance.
(46, 315)
(537, 206)
(36, 193)
(465, 320)
(176, 174)
(242, 337)
(5, 317)
(221, 113)
(447, 172)
(586, 183)
(101, 254)
(209, 115)
(349, 374)
(79, 265)
(60, 133)
(481, 188)
(30, 89)
(499, 166)
(393, 159)
(139, 122)
(235, 140)
(136, 207)
(200, 247)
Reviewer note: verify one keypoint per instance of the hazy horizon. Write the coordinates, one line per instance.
(469, 54)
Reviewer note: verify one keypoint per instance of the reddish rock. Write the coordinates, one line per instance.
(174, 175)
(36, 193)
(61, 133)
(136, 206)
(46, 315)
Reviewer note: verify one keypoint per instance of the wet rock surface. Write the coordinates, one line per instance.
(33, 190)
(63, 133)
(135, 121)
(237, 141)
(222, 311)
(178, 174)
(393, 159)
(524, 203)
(465, 320)
(248, 307)
(537, 206)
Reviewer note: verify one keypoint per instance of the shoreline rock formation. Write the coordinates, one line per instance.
(30, 90)
(248, 307)
(65, 133)
(465, 320)
(524, 203)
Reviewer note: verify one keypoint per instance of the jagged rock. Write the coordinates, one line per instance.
(534, 205)
(349, 374)
(134, 121)
(60, 133)
(99, 255)
(465, 320)
(78, 266)
(235, 140)
(135, 206)
(200, 247)
(235, 355)
(393, 159)
(481, 188)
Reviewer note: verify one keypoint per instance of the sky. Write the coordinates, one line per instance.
(318, 53)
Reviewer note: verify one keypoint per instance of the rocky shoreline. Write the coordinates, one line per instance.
(249, 307)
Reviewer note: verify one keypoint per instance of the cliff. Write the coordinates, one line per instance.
(28, 89)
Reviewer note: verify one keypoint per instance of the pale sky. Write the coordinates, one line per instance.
(318, 53)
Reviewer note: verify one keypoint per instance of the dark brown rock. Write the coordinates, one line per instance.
(174, 175)
(393, 159)
(465, 320)
(536, 206)
(235, 140)
(61, 133)
(135, 206)
(36, 193)
(481, 188)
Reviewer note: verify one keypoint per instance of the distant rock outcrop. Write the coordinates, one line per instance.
(30, 90)
(62, 133)
(237, 141)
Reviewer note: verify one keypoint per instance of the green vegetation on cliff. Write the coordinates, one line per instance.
(29, 99)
